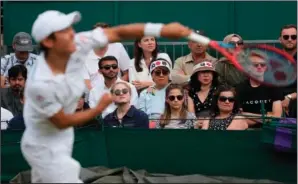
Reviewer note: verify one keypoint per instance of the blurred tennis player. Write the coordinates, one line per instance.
(55, 85)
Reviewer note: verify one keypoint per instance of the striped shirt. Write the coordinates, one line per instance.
(11, 60)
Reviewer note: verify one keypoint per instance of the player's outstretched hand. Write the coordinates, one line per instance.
(104, 102)
(175, 31)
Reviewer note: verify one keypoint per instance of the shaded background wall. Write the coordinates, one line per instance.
(252, 20)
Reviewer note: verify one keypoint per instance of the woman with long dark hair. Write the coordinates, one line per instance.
(145, 51)
(224, 111)
(202, 85)
(176, 115)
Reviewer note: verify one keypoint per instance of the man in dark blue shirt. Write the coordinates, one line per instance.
(125, 115)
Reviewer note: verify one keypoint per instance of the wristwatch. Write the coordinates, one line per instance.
(289, 97)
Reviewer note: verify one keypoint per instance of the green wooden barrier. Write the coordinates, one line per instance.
(89, 149)
(221, 153)
(225, 153)
(253, 20)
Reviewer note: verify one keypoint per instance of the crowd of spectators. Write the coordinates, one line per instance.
(151, 90)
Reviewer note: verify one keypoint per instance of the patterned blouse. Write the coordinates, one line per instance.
(202, 106)
(220, 124)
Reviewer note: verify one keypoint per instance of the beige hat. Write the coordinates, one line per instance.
(230, 36)
(206, 65)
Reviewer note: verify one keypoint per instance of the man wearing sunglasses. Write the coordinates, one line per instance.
(109, 69)
(228, 73)
(288, 40)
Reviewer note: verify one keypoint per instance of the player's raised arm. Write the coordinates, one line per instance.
(63, 120)
(132, 31)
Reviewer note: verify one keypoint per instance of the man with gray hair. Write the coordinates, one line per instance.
(22, 45)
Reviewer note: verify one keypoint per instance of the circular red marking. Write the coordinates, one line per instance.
(280, 76)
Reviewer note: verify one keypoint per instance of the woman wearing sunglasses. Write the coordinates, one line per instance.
(175, 115)
(125, 115)
(228, 73)
(152, 100)
(224, 111)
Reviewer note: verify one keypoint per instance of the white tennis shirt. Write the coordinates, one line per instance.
(46, 94)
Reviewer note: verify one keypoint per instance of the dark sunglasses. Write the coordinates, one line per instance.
(107, 67)
(286, 37)
(118, 92)
(259, 64)
(159, 72)
(240, 42)
(224, 99)
(172, 97)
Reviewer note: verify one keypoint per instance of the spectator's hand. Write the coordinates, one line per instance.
(150, 90)
(285, 103)
(199, 124)
(175, 31)
(138, 84)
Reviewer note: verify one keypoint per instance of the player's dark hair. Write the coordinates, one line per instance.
(106, 58)
(43, 48)
(288, 26)
(16, 70)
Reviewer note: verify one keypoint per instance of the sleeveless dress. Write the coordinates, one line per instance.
(220, 124)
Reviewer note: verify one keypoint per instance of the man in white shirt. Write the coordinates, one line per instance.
(108, 68)
(55, 85)
(113, 49)
(22, 45)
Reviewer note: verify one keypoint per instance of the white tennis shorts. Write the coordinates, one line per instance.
(50, 165)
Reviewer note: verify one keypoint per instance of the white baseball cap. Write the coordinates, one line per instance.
(52, 21)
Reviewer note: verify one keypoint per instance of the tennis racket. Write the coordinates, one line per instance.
(264, 63)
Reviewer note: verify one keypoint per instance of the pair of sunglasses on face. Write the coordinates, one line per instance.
(108, 67)
(259, 64)
(118, 92)
(178, 97)
(159, 72)
(286, 37)
(240, 42)
(224, 99)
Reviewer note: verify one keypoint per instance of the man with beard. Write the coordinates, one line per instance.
(288, 40)
(183, 66)
(10, 97)
(22, 45)
(108, 67)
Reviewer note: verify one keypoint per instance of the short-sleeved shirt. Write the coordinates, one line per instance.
(152, 103)
(134, 118)
(11, 60)
(46, 94)
(91, 62)
(251, 98)
(183, 67)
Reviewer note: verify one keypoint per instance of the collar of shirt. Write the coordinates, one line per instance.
(129, 113)
(41, 69)
(189, 57)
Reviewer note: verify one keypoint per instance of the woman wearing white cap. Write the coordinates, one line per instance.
(55, 85)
